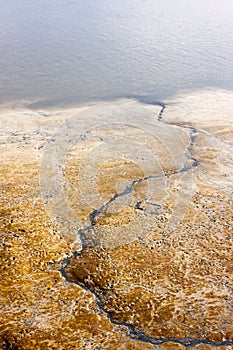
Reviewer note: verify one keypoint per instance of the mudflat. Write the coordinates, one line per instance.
(117, 225)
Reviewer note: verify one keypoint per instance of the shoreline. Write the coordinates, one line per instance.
(218, 100)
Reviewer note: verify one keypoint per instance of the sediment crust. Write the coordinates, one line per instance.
(167, 286)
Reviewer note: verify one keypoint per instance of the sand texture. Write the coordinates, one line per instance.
(116, 225)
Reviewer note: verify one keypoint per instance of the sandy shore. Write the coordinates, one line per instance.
(117, 226)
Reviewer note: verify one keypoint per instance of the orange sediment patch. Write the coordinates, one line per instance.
(140, 283)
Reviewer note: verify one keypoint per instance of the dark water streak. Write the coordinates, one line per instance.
(134, 332)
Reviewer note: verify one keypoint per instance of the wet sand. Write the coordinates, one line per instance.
(117, 225)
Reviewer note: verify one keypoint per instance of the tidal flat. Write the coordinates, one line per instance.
(116, 224)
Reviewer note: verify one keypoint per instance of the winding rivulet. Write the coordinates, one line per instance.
(150, 265)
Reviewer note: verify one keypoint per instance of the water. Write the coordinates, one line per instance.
(60, 52)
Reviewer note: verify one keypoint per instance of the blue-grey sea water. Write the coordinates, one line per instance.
(68, 51)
